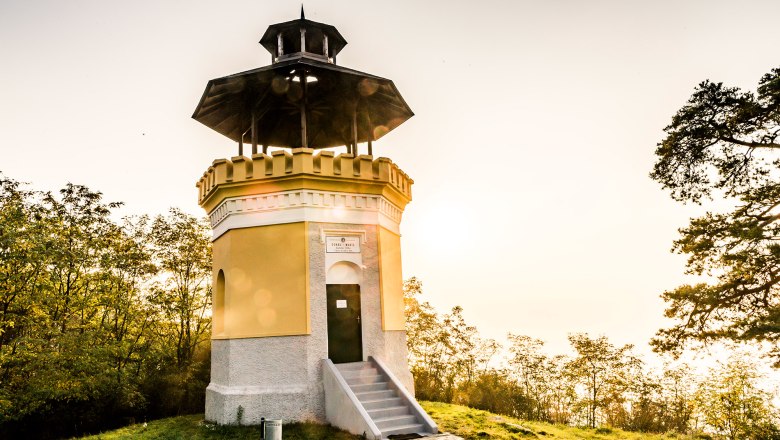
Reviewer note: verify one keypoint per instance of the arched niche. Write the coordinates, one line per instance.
(218, 308)
(343, 272)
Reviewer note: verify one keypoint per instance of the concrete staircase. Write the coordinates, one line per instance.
(380, 399)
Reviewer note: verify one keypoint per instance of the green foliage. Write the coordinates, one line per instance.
(239, 415)
(83, 332)
(528, 365)
(716, 141)
(734, 407)
(445, 353)
(547, 389)
(725, 142)
(180, 247)
(603, 370)
(602, 384)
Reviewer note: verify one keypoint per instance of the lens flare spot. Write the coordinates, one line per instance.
(238, 279)
(379, 131)
(395, 122)
(280, 85)
(262, 297)
(367, 87)
(266, 317)
(339, 212)
(295, 92)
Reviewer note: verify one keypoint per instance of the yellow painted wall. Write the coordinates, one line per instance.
(390, 280)
(266, 271)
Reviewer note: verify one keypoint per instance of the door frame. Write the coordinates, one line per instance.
(355, 352)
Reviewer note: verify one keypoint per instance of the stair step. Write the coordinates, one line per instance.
(381, 413)
(351, 374)
(359, 380)
(381, 403)
(392, 422)
(375, 395)
(405, 429)
(378, 386)
(353, 366)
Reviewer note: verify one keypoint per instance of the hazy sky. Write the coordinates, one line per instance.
(534, 133)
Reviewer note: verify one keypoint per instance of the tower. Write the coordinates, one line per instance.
(306, 242)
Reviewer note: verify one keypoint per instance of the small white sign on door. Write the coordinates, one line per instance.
(343, 245)
(341, 304)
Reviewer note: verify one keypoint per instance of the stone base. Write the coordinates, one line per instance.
(274, 378)
(222, 405)
(281, 377)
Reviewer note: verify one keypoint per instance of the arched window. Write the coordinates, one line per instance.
(218, 306)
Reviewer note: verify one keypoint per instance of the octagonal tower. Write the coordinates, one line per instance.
(306, 245)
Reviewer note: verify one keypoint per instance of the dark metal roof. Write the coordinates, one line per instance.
(274, 96)
(335, 41)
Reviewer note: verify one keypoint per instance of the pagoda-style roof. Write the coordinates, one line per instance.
(303, 99)
(335, 96)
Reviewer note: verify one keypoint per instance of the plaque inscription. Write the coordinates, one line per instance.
(342, 245)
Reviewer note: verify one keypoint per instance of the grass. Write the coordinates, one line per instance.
(469, 423)
(472, 423)
(193, 427)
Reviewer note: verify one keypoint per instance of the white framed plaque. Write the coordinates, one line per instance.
(349, 244)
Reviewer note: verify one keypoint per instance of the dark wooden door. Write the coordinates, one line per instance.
(345, 337)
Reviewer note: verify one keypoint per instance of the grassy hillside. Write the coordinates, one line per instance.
(193, 427)
(472, 423)
(460, 420)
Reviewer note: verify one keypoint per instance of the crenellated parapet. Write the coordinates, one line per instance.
(286, 187)
(303, 163)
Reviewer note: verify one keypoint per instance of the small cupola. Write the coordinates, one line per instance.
(302, 38)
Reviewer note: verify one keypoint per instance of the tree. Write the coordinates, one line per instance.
(100, 321)
(726, 143)
(601, 369)
(715, 142)
(59, 354)
(677, 386)
(182, 249)
(561, 393)
(733, 406)
(447, 356)
(74, 323)
(421, 322)
(645, 411)
(23, 264)
(531, 370)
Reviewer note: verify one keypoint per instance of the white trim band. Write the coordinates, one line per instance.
(304, 205)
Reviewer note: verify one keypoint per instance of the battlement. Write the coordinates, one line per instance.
(302, 162)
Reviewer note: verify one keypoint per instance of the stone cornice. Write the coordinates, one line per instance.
(304, 205)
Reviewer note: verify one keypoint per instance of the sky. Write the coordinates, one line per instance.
(534, 130)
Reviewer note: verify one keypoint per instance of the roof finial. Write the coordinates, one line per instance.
(303, 17)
